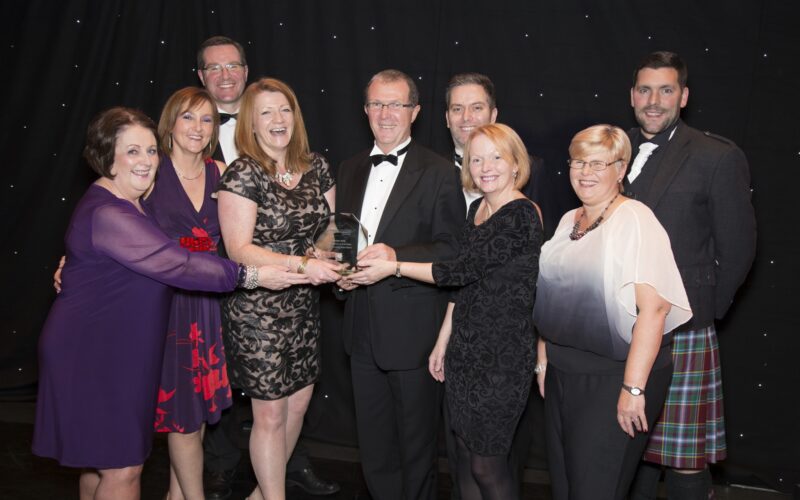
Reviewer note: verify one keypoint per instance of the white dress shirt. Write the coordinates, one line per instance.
(226, 141)
(469, 196)
(379, 186)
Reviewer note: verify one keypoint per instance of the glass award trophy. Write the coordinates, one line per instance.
(336, 239)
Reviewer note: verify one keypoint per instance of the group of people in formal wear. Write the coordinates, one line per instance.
(190, 269)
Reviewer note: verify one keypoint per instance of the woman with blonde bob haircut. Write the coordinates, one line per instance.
(510, 147)
(603, 139)
(270, 202)
(486, 343)
(609, 294)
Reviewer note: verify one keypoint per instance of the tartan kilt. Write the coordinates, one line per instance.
(691, 429)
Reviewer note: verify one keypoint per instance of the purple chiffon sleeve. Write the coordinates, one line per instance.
(133, 240)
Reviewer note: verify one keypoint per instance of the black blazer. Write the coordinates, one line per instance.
(421, 222)
(701, 195)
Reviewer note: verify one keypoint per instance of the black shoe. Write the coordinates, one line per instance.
(217, 485)
(310, 483)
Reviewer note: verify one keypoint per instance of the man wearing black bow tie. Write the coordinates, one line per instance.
(409, 200)
(222, 68)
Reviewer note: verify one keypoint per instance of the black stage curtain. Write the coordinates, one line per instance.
(559, 66)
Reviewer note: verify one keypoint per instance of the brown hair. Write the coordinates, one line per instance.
(186, 99)
(298, 155)
(663, 59)
(395, 75)
(510, 147)
(471, 79)
(101, 136)
(213, 42)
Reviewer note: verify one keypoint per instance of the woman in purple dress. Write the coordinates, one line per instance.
(194, 379)
(101, 347)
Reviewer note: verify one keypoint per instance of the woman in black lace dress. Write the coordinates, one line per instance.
(270, 201)
(486, 344)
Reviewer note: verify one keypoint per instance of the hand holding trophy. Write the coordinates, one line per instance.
(337, 240)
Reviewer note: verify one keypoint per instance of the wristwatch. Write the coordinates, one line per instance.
(397, 271)
(636, 391)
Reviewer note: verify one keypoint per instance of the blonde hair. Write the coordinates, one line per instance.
(186, 99)
(298, 155)
(601, 138)
(510, 147)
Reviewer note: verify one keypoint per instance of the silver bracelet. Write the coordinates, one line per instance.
(251, 281)
(540, 368)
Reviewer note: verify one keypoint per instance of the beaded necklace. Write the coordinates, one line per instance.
(577, 234)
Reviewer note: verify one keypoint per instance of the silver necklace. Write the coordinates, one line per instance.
(180, 174)
(284, 178)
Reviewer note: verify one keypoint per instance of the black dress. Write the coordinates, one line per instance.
(271, 337)
(490, 356)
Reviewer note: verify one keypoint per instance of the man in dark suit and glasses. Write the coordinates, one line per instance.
(698, 185)
(410, 202)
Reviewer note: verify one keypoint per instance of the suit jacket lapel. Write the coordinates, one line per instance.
(357, 185)
(669, 164)
(217, 155)
(409, 174)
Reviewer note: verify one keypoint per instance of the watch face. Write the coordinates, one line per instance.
(636, 391)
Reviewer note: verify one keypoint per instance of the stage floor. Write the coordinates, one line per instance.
(24, 476)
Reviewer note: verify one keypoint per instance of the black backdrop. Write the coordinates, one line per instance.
(559, 66)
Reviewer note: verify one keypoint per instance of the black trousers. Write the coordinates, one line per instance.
(589, 455)
(397, 418)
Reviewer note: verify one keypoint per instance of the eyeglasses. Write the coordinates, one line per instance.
(216, 69)
(393, 106)
(595, 165)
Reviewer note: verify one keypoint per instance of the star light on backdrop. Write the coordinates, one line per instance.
(339, 35)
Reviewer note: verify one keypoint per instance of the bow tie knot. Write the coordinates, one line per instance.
(225, 117)
(377, 159)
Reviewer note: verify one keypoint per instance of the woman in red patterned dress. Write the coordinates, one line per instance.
(194, 381)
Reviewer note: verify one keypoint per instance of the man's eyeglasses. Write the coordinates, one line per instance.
(216, 69)
(595, 165)
(393, 106)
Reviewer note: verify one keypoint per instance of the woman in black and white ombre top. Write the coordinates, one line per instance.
(608, 295)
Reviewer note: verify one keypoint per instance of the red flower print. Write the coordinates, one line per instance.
(213, 359)
(164, 395)
(199, 242)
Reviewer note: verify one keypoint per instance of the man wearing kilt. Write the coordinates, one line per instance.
(698, 185)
